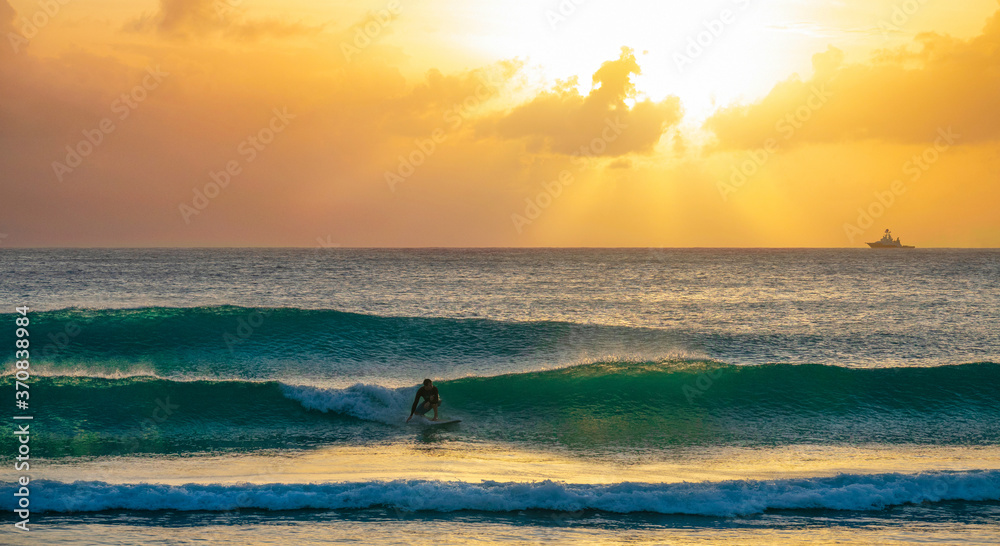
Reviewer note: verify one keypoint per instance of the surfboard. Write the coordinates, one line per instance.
(417, 420)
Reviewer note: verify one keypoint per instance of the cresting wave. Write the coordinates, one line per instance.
(168, 339)
(612, 404)
(632, 386)
(271, 343)
(729, 498)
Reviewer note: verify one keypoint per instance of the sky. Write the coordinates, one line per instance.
(474, 123)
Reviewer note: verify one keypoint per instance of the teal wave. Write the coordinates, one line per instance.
(231, 342)
(592, 407)
(264, 343)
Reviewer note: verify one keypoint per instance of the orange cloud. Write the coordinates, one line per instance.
(352, 118)
(446, 101)
(7, 14)
(180, 18)
(323, 177)
(903, 95)
(565, 122)
(12, 38)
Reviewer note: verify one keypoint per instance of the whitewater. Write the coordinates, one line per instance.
(771, 395)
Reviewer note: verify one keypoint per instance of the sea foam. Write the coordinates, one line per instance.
(727, 498)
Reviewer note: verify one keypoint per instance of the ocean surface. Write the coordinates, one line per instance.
(633, 396)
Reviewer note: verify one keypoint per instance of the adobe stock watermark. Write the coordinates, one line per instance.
(249, 149)
(366, 33)
(534, 206)
(561, 12)
(326, 243)
(31, 26)
(454, 117)
(150, 425)
(59, 341)
(915, 167)
(123, 106)
(223, 8)
(786, 127)
(713, 30)
(245, 327)
(901, 14)
(497, 426)
(701, 384)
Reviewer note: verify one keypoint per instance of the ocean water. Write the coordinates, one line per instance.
(640, 396)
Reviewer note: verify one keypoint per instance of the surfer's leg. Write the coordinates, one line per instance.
(435, 406)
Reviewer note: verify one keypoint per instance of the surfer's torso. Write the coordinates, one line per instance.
(429, 395)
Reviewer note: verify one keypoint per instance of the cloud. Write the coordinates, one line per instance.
(12, 38)
(902, 95)
(447, 101)
(7, 15)
(358, 117)
(184, 18)
(353, 119)
(562, 121)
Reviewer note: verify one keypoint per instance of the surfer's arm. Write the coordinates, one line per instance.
(416, 399)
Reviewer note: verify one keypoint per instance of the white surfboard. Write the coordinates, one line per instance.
(418, 420)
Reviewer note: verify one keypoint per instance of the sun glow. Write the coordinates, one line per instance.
(397, 143)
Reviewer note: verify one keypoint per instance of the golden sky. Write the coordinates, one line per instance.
(485, 123)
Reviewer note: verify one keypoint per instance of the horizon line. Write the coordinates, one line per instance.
(340, 247)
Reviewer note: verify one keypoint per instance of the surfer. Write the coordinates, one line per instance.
(431, 401)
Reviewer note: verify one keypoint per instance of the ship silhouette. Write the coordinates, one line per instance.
(888, 242)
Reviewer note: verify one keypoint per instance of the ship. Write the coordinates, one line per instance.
(888, 242)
